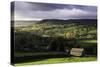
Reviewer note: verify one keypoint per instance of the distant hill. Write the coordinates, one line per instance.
(59, 21)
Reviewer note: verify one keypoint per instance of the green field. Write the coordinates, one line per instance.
(59, 60)
(52, 37)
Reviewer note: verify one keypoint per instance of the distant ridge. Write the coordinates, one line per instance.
(59, 21)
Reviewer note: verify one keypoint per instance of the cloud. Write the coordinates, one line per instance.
(27, 10)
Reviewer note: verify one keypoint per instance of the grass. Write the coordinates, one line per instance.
(58, 60)
(56, 30)
(88, 41)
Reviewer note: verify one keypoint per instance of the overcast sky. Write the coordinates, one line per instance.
(38, 11)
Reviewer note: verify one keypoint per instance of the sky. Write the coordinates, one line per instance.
(37, 11)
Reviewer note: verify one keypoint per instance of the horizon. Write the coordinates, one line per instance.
(52, 19)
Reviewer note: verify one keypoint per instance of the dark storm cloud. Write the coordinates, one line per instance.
(29, 10)
(49, 6)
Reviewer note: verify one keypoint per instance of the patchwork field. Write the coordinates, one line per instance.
(51, 38)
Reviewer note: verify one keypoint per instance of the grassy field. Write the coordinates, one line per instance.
(88, 41)
(58, 60)
(33, 40)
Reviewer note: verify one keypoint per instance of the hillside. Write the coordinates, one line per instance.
(40, 34)
(79, 21)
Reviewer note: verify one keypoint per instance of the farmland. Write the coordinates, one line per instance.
(55, 36)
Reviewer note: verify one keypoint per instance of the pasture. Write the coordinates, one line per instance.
(49, 40)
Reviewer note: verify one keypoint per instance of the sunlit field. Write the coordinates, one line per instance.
(58, 60)
(46, 42)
